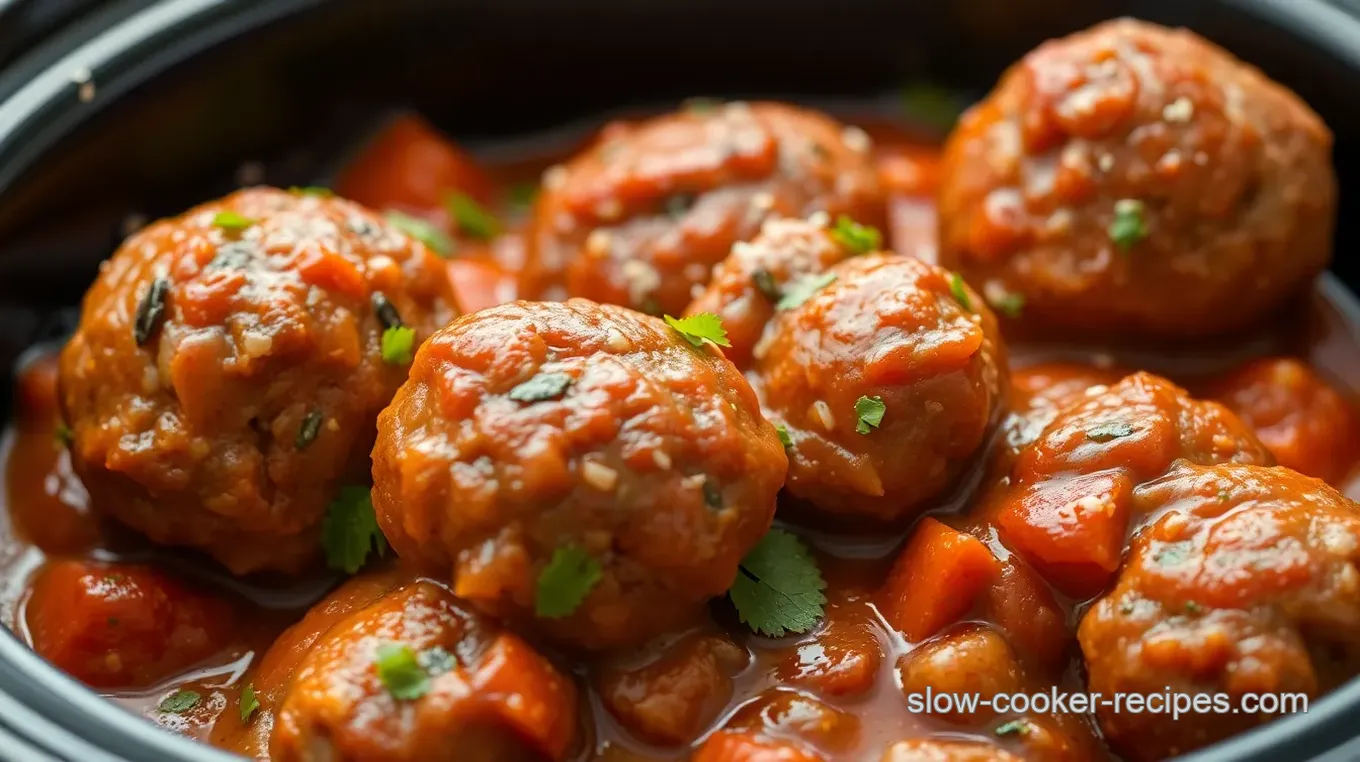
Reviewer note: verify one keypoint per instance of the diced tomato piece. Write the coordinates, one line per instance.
(936, 579)
(1024, 608)
(1072, 529)
(122, 626)
(411, 167)
(522, 691)
(728, 746)
(479, 282)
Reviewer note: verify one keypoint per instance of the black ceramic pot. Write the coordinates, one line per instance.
(177, 93)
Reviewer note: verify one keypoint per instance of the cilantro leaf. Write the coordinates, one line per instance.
(472, 220)
(401, 673)
(423, 231)
(778, 588)
(542, 387)
(784, 438)
(1128, 226)
(249, 702)
(565, 582)
(858, 238)
(802, 290)
(869, 413)
(1014, 727)
(696, 329)
(350, 530)
(179, 702)
(398, 345)
(229, 220)
(960, 291)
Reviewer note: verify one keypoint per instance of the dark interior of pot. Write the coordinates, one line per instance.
(189, 100)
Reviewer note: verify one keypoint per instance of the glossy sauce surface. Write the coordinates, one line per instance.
(837, 690)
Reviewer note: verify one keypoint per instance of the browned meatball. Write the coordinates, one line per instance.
(1068, 503)
(228, 370)
(1307, 424)
(533, 434)
(749, 284)
(1138, 180)
(1246, 584)
(415, 675)
(641, 217)
(888, 380)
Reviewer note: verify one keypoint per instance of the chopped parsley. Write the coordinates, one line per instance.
(63, 435)
(472, 220)
(349, 532)
(802, 290)
(1008, 303)
(959, 290)
(542, 387)
(764, 282)
(150, 310)
(248, 702)
(1128, 226)
(1106, 432)
(784, 438)
(861, 239)
(423, 231)
(1193, 607)
(1013, 728)
(229, 220)
(180, 701)
(401, 673)
(311, 426)
(1223, 496)
(778, 588)
(869, 413)
(565, 582)
(398, 345)
(696, 329)
(320, 191)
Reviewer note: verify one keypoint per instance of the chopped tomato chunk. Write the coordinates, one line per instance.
(936, 579)
(479, 282)
(122, 626)
(1071, 529)
(411, 167)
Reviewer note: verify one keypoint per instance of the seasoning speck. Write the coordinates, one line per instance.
(151, 310)
(311, 426)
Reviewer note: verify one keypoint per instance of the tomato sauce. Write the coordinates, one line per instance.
(839, 688)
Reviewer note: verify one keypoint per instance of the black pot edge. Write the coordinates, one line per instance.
(44, 714)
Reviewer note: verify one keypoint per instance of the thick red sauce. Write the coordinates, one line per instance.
(852, 667)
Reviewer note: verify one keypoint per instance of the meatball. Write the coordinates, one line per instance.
(748, 285)
(540, 440)
(228, 369)
(1068, 502)
(415, 675)
(888, 381)
(1305, 423)
(1137, 180)
(642, 216)
(1245, 583)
